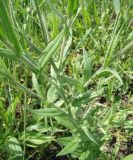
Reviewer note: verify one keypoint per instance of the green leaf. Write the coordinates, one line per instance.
(84, 155)
(87, 66)
(46, 112)
(86, 97)
(113, 41)
(71, 81)
(128, 47)
(36, 85)
(32, 45)
(89, 135)
(50, 50)
(110, 89)
(72, 7)
(110, 114)
(39, 127)
(130, 37)
(97, 93)
(70, 147)
(7, 77)
(8, 54)
(96, 13)
(76, 5)
(10, 113)
(5, 18)
(42, 23)
(37, 138)
(68, 44)
(55, 22)
(129, 157)
(25, 58)
(81, 99)
(65, 121)
(117, 5)
(52, 94)
(13, 147)
(56, 11)
(107, 72)
(82, 39)
(64, 140)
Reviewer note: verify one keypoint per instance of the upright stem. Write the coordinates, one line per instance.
(43, 28)
(25, 117)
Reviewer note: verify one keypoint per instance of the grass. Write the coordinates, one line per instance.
(66, 80)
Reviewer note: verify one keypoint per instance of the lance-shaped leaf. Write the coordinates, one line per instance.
(13, 147)
(50, 50)
(129, 157)
(7, 53)
(81, 99)
(36, 85)
(70, 147)
(87, 66)
(117, 6)
(71, 81)
(107, 72)
(52, 94)
(6, 22)
(72, 7)
(10, 113)
(46, 112)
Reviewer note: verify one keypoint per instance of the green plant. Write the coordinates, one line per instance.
(61, 64)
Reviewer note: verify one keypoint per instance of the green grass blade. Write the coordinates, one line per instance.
(43, 24)
(8, 54)
(9, 28)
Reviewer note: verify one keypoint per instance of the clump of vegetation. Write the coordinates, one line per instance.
(66, 77)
